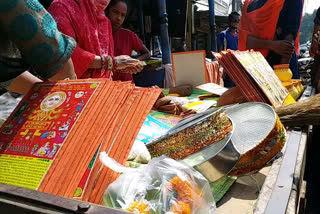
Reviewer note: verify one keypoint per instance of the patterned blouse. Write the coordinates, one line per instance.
(33, 34)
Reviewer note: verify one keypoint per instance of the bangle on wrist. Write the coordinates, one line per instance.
(103, 62)
(114, 64)
(109, 64)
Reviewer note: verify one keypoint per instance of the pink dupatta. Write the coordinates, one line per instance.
(93, 33)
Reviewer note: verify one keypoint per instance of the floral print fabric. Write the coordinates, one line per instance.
(33, 31)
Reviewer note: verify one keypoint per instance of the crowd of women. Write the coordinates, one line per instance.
(84, 39)
(74, 39)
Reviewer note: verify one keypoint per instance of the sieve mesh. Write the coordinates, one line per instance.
(252, 123)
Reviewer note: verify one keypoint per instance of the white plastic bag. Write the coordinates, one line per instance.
(161, 187)
(7, 104)
(139, 153)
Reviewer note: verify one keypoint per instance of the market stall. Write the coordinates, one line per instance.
(98, 146)
(149, 150)
(248, 194)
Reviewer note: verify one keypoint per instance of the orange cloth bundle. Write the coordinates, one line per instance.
(62, 126)
(214, 73)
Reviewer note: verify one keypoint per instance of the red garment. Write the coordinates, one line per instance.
(260, 23)
(78, 19)
(124, 42)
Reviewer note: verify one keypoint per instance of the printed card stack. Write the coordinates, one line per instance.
(254, 76)
(51, 141)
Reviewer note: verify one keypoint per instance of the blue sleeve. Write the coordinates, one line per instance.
(220, 40)
(290, 17)
(35, 33)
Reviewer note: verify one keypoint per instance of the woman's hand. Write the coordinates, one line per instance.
(283, 47)
(126, 64)
(66, 72)
(132, 70)
(124, 61)
(23, 83)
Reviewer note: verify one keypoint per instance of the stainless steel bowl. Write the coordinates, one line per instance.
(214, 161)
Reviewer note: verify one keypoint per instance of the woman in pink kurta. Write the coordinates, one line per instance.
(84, 20)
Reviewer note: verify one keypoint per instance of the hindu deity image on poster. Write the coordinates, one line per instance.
(32, 136)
